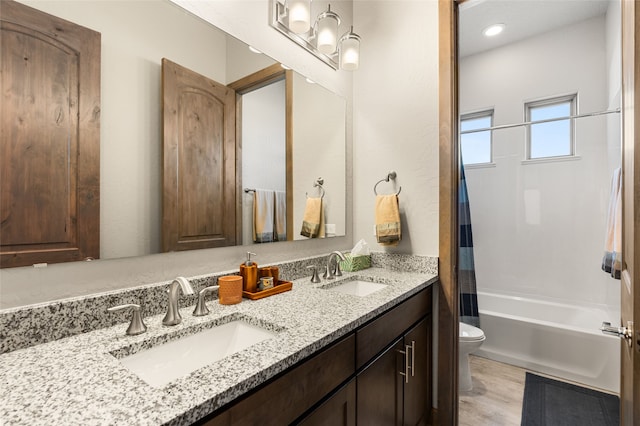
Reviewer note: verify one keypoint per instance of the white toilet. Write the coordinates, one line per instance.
(470, 338)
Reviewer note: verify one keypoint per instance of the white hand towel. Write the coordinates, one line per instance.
(281, 216)
(263, 215)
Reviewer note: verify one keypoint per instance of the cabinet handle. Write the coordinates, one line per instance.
(413, 357)
(406, 363)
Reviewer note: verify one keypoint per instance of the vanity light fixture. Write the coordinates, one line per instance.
(299, 13)
(327, 31)
(350, 51)
(493, 30)
(320, 39)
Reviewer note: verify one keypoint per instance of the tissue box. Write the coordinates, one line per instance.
(355, 263)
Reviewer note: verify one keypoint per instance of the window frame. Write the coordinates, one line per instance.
(572, 99)
(489, 112)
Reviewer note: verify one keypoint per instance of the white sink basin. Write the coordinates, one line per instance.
(358, 288)
(162, 364)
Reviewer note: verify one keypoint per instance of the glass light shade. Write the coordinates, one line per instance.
(299, 15)
(350, 52)
(327, 38)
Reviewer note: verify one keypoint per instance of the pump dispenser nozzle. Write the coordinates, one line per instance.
(249, 262)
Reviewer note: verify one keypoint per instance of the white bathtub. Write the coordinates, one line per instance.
(552, 338)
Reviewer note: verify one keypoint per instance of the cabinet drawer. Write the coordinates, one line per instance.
(379, 333)
(287, 397)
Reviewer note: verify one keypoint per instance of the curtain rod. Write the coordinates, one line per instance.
(548, 120)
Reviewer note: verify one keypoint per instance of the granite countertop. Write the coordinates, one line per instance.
(77, 380)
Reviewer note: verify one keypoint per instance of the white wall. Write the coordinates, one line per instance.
(396, 118)
(614, 79)
(320, 124)
(538, 228)
(263, 147)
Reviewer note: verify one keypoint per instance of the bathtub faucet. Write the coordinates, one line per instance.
(624, 332)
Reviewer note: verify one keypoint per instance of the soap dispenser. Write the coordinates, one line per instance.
(249, 274)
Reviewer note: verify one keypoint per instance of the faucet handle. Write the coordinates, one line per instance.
(314, 278)
(201, 307)
(137, 325)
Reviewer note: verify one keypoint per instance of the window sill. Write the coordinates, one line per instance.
(479, 166)
(551, 159)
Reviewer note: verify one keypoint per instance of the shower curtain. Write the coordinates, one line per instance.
(466, 266)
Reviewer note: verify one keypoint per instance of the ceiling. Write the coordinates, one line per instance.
(523, 19)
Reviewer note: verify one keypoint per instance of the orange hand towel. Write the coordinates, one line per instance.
(388, 228)
(313, 219)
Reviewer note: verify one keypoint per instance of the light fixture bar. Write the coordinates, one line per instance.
(277, 20)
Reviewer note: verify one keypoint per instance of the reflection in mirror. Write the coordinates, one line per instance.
(131, 118)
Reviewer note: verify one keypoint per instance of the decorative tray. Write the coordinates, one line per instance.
(281, 287)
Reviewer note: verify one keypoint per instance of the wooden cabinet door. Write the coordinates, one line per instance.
(417, 389)
(199, 173)
(339, 410)
(49, 138)
(379, 393)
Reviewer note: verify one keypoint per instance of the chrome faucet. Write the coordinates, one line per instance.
(173, 315)
(334, 270)
(136, 326)
(201, 307)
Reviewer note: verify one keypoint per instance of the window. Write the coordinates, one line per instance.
(476, 147)
(552, 138)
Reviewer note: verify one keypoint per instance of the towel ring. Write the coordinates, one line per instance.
(390, 176)
(318, 183)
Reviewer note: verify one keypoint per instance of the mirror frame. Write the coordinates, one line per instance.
(245, 85)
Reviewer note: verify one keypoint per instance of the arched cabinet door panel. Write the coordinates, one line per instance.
(199, 153)
(49, 138)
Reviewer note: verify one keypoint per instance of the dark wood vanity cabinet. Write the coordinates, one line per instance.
(288, 396)
(358, 380)
(417, 387)
(338, 410)
(395, 388)
(394, 385)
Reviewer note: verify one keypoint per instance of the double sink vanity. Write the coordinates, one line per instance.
(339, 350)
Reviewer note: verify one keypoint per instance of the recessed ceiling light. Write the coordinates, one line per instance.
(310, 81)
(254, 50)
(285, 67)
(493, 30)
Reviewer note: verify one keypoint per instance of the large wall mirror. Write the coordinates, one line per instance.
(136, 36)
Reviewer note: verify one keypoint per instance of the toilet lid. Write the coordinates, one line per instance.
(470, 333)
